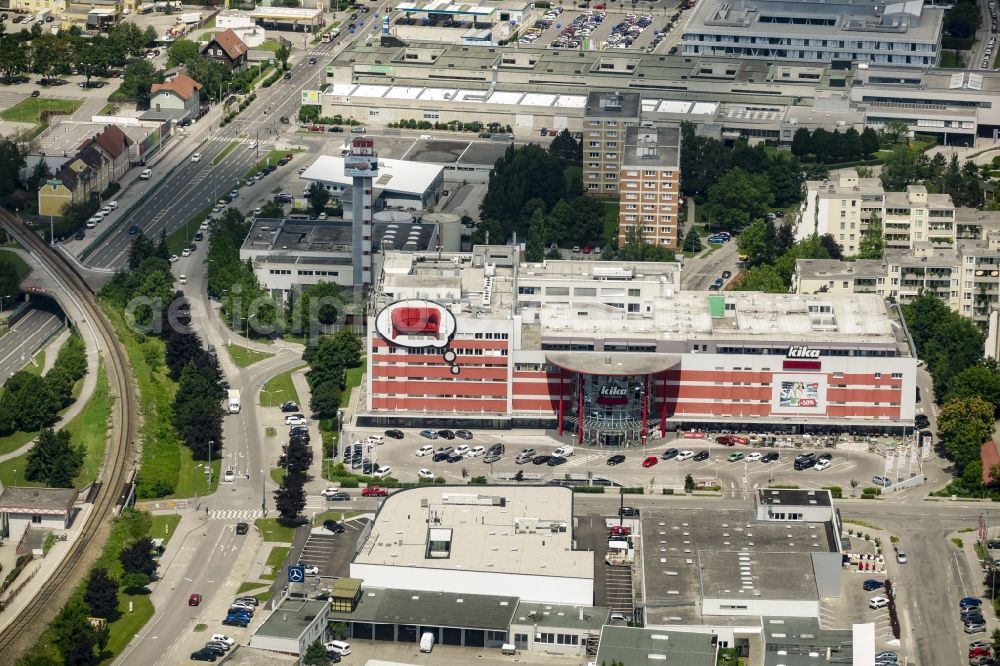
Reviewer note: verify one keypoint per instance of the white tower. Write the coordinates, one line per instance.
(361, 164)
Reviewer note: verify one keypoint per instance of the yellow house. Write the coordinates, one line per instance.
(72, 184)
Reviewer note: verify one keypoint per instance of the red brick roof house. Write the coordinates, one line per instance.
(176, 99)
(227, 48)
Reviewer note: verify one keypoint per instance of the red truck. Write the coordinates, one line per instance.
(374, 491)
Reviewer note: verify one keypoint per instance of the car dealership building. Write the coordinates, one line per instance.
(615, 352)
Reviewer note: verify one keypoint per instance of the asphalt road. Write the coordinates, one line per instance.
(700, 271)
(19, 344)
(194, 185)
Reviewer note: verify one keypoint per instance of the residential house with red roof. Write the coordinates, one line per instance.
(228, 49)
(176, 99)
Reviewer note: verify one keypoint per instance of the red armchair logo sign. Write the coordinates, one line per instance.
(419, 324)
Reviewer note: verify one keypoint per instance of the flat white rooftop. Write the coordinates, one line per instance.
(495, 529)
(399, 176)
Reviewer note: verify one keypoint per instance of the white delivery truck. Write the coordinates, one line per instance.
(427, 642)
(189, 18)
(234, 401)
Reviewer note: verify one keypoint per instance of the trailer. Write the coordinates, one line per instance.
(189, 18)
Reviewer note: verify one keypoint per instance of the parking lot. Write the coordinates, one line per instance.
(330, 552)
(594, 29)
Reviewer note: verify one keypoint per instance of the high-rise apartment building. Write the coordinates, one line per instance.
(606, 117)
(649, 184)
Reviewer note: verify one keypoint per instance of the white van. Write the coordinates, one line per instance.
(342, 648)
(563, 451)
(427, 642)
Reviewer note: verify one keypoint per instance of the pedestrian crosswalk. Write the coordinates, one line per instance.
(315, 502)
(580, 460)
(235, 514)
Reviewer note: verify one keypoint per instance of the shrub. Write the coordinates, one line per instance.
(871, 490)
(348, 483)
(835, 491)
(596, 490)
(634, 490)
(477, 481)
(668, 491)
(867, 496)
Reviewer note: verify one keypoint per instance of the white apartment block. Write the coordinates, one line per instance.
(606, 118)
(894, 33)
(649, 194)
(842, 206)
(965, 275)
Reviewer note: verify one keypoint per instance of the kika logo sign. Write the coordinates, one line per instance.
(802, 352)
(612, 395)
(419, 324)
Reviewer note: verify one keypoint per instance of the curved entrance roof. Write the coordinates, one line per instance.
(613, 363)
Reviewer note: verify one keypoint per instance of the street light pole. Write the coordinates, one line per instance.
(210, 442)
(263, 495)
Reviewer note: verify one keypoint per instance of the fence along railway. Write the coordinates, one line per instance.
(116, 471)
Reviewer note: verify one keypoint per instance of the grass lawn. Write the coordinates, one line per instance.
(89, 429)
(951, 59)
(13, 442)
(182, 237)
(272, 531)
(610, 226)
(334, 515)
(996, 60)
(108, 109)
(30, 110)
(271, 158)
(270, 45)
(251, 585)
(225, 152)
(164, 526)
(36, 364)
(275, 559)
(280, 388)
(244, 357)
(14, 259)
(166, 463)
(262, 597)
(125, 628)
(354, 376)
(278, 475)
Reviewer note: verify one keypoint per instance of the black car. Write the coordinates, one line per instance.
(394, 434)
(186, 122)
(312, 61)
(993, 544)
(441, 456)
(284, 120)
(701, 455)
(199, 236)
(669, 454)
(288, 77)
(334, 657)
(289, 406)
(628, 512)
(446, 434)
(555, 461)
(204, 655)
(335, 128)
(770, 457)
(456, 457)
(230, 621)
(216, 649)
(540, 460)
(333, 526)
(496, 448)
(242, 528)
(80, 235)
(921, 421)
(825, 456)
(463, 434)
(727, 274)
(804, 463)
(339, 497)
(616, 460)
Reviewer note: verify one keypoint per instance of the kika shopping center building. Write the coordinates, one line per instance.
(612, 352)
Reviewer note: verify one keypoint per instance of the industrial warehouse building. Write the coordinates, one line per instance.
(500, 541)
(530, 88)
(615, 353)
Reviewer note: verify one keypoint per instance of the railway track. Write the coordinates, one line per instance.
(24, 630)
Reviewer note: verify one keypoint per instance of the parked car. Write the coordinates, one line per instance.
(670, 453)
(339, 497)
(754, 456)
(289, 406)
(650, 461)
(628, 512)
(735, 457)
(374, 491)
(425, 450)
(333, 526)
(446, 434)
(425, 473)
(394, 434)
(970, 602)
(701, 455)
(871, 585)
(770, 457)
(685, 455)
(540, 460)
(204, 655)
(295, 419)
(429, 434)
(463, 434)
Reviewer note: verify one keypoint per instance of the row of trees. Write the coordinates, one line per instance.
(772, 253)
(30, 402)
(907, 165)
(41, 52)
(833, 147)
(329, 360)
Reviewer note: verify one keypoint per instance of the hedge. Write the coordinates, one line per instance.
(597, 490)
(633, 490)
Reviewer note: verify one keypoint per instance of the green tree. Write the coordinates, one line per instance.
(316, 654)
(290, 497)
(896, 131)
(566, 148)
(101, 594)
(74, 636)
(282, 55)
(899, 169)
(982, 380)
(801, 142)
(963, 425)
(962, 20)
(12, 160)
(738, 198)
(758, 242)
(688, 483)
(636, 249)
(763, 278)
(139, 77)
(181, 52)
(692, 241)
(54, 460)
(318, 198)
(14, 58)
(324, 399)
(534, 249)
(318, 306)
(134, 583)
(869, 142)
(137, 557)
(872, 245)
